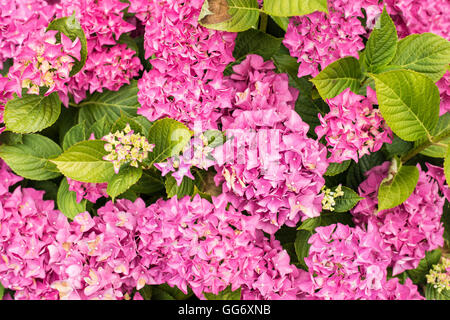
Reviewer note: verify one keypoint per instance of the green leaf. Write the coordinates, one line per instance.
(302, 247)
(431, 258)
(256, 42)
(169, 137)
(282, 22)
(84, 162)
(326, 219)
(426, 53)
(165, 292)
(347, 201)
(288, 8)
(30, 159)
(32, 113)
(338, 76)
(67, 201)
(226, 294)
(337, 168)
(356, 172)
(6, 65)
(436, 151)
(433, 294)
(229, 15)
(110, 104)
(2, 291)
(74, 135)
(394, 190)
(101, 128)
(186, 188)
(382, 44)
(122, 181)
(148, 184)
(72, 29)
(122, 122)
(409, 102)
(398, 147)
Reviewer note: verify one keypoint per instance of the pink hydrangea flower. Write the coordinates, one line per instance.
(188, 61)
(411, 228)
(415, 16)
(318, 39)
(352, 128)
(444, 90)
(43, 63)
(88, 191)
(347, 263)
(19, 19)
(268, 166)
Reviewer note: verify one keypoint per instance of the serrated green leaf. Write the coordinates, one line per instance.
(166, 292)
(356, 172)
(256, 42)
(67, 201)
(122, 181)
(226, 294)
(437, 151)
(122, 122)
(229, 15)
(302, 246)
(396, 190)
(76, 134)
(169, 137)
(101, 128)
(326, 219)
(2, 291)
(30, 159)
(148, 184)
(338, 76)
(110, 104)
(186, 188)
(347, 201)
(382, 44)
(409, 102)
(418, 275)
(32, 113)
(72, 29)
(337, 168)
(84, 162)
(426, 53)
(289, 8)
(282, 22)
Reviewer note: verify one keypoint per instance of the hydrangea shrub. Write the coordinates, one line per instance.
(209, 149)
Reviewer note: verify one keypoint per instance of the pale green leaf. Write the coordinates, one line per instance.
(288, 8)
(67, 201)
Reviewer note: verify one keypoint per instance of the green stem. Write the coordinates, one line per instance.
(263, 22)
(431, 141)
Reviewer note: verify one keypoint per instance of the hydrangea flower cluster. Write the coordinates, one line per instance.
(347, 263)
(439, 275)
(318, 39)
(411, 228)
(186, 80)
(19, 19)
(352, 128)
(267, 163)
(110, 64)
(126, 147)
(42, 62)
(415, 16)
(6, 93)
(208, 247)
(89, 191)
